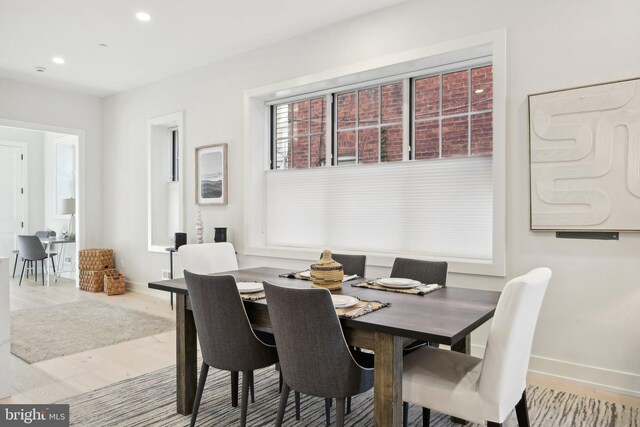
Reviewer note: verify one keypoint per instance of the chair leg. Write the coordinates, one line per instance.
(296, 396)
(492, 424)
(244, 398)
(280, 382)
(42, 265)
(234, 388)
(196, 404)
(15, 264)
(339, 412)
(36, 263)
(24, 263)
(405, 414)
(53, 264)
(521, 411)
(252, 388)
(284, 395)
(28, 268)
(426, 417)
(327, 410)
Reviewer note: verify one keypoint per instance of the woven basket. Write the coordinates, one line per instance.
(327, 273)
(93, 281)
(96, 259)
(114, 285)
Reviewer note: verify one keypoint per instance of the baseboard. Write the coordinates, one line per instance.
(143, 288)
(605, 379)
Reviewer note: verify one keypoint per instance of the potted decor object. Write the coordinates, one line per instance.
(327, 273)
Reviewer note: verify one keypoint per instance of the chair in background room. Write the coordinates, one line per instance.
(205, 258)
(45, 235)
(31, 249)
(226, 338)
(314, 356)
(482, 390)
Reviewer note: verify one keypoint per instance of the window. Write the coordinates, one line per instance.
(175, 156)
(440, 197)
(451, 116)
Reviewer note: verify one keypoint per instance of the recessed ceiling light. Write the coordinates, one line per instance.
(103, 45)
(40, 69)
(58, 60)
(143, 16)
(479, 90)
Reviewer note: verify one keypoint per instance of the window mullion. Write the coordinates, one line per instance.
(440, 120)
(407, 127)
(357, 160)
(379, 124)
(469, 115)
(329, 135)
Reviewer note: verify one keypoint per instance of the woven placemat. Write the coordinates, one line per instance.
(253, 296)
(418, 290)
(361, 308)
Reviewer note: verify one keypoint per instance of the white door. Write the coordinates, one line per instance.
(11, 198)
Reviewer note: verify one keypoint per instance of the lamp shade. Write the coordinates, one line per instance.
(67, 206)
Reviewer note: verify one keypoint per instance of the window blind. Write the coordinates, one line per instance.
(441, 208)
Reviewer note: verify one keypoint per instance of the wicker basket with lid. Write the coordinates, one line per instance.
(327, 273)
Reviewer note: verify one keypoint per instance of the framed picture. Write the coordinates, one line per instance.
(585, 158)
(211, 174)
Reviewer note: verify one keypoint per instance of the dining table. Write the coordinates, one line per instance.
(446, 316)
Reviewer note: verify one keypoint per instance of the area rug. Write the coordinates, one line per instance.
(149, 400)
(58, 330)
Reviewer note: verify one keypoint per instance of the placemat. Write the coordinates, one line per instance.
(418, 290)
(296, 275)
(253, 296)
(361, 308)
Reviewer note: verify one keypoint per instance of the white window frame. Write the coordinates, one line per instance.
(420, 61)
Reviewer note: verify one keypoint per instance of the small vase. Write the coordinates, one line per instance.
(199, 229)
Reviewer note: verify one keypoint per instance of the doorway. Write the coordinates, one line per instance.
(39, 177)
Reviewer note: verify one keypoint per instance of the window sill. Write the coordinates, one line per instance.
(456, 265)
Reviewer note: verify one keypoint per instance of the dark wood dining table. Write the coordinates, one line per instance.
(446, 316)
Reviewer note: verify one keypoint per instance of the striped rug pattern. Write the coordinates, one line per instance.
(149, 400)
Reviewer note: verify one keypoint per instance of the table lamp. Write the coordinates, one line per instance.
(68, 207)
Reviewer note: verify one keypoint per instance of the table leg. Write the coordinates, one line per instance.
(387, 407)
(462, 346)
(186, 355)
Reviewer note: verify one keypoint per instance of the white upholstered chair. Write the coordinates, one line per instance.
(482, 390)
(207, 258)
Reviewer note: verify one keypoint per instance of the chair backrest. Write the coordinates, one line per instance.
(43, 235)
(351, 264)
(314, 357)
(226, 338)
(506, 357)
(31, 248)
(207, 258)
(427, 272)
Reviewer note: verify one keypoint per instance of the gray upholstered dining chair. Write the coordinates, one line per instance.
(31, 249)
(226, 338)
(427, 272)
(351, 264)
(314, 356)
(423, 271)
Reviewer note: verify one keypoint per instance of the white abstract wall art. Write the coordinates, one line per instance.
(585, 158)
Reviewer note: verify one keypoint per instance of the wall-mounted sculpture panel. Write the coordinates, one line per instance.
(585, 158)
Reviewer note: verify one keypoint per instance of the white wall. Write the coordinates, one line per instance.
(34, 142)
(24, 104)
(5, 331)
(588, 328)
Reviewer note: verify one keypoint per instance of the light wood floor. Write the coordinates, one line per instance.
(56, 379)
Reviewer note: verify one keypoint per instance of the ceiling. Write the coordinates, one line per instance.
(182, 34)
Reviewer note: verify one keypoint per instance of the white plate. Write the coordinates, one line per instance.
(398, 283)
(306, 274)
(249, 287)
(343, 301)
